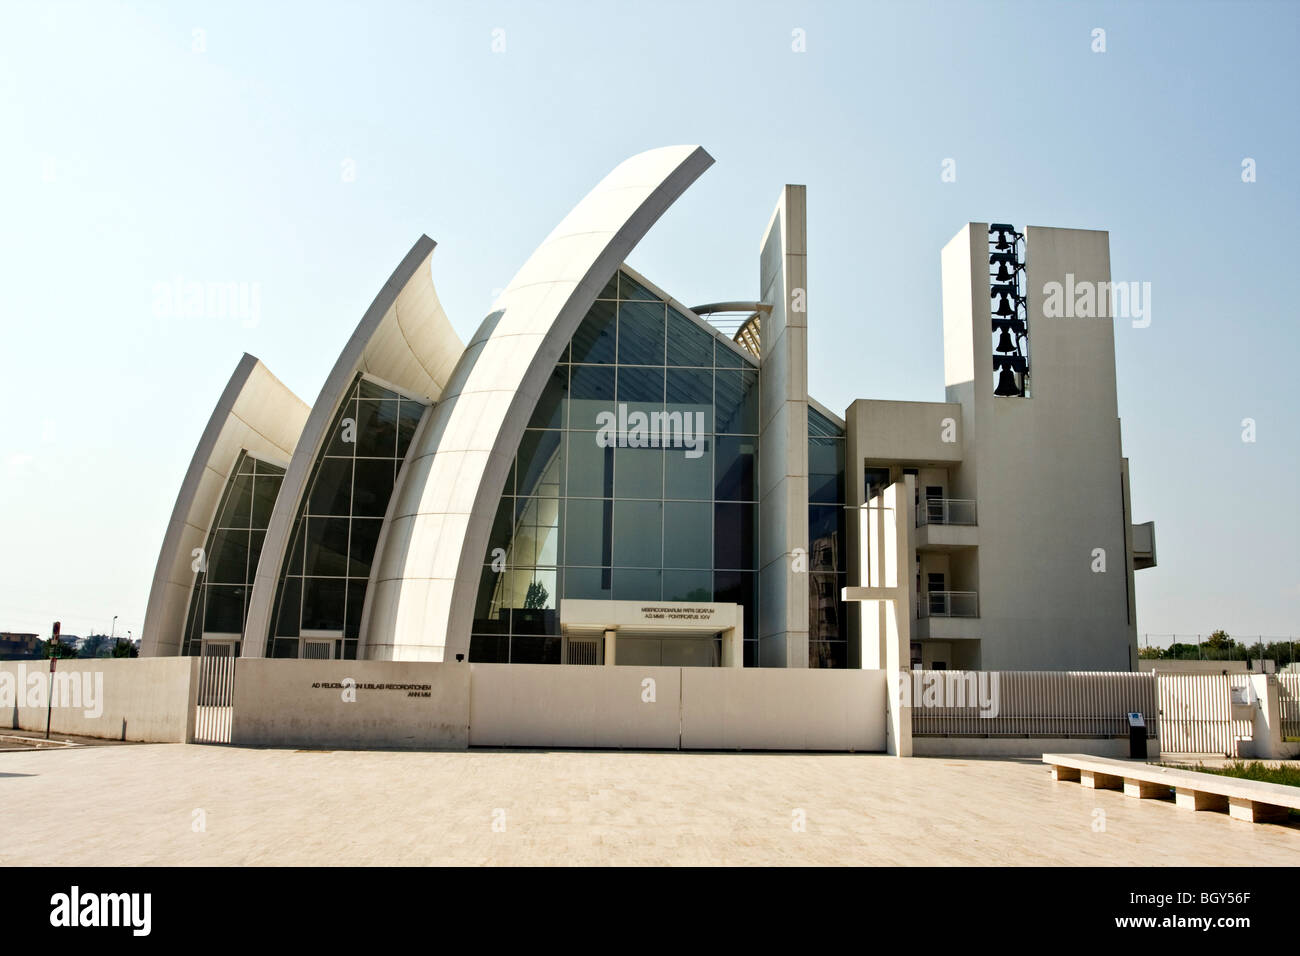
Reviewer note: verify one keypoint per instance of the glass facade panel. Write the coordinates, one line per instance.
(337, 529)
(827, 539)
(643, 511)
(224, 581)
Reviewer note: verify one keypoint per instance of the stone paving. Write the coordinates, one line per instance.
(169, 804)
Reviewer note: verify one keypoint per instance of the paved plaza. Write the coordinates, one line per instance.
(169, 804)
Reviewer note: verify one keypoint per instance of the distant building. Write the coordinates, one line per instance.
(18, 646)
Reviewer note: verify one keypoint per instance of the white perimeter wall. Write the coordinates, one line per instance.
(143, 699)
(296, 703)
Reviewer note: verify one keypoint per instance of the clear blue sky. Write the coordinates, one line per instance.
(130, 158)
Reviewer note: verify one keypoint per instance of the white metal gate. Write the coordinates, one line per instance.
(1196, 713)
(216, 698)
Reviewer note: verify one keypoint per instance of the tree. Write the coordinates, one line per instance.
(1219, 641)
(124, 648)
(536, 596)
(59, 650)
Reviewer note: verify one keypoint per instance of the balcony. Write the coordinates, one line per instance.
(946, 524)
(946, 511)
(949, 604)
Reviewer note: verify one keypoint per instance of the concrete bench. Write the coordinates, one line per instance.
(1251, 800)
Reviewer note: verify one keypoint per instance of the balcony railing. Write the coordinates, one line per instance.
(946, 511)
(950, 604)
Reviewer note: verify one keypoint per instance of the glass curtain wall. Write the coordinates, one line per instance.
(827, 539)
(635, 479)
(224, 581)
(323, 582)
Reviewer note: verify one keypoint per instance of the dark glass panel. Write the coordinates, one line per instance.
(374, 486)
(688, 344)
(377, 429)
(369, 389)
(535, 590)
(688, 534)
(361, 548)
(266, 468)
(825, 455)
(687, 477)
(641, 333)
(265, 489)
(737, 587)
(735, 468)
(535, 650)
(875, 480)
(296, 547)
(290, 608)
(593, 342)
(639, 472)
(591, 396)
(356, 606)
(238, 511)
(502, 530)
(642, 386)
(254, 552)
(635, 584)
(629, 288)
(284, 648)
(228, 562)
(336, 444)
(820, 425)
(694, 586)
(733, 536)
(331, 492)
(725, 356)
(539, 464)
(489, 649)
(638, 534)
(824, 522)
(589, 538)
(588, 584)
(591, 465)
(751, 653)
(492, 607)
(349, 650)
(326, 552)
(826, 489)
(828, 654)
(537, 532)
(224, 608)
(549, 412)
(408, 417)
(322, 603)
(690, 390)
(737, 402)
(611, 288)
(246, 464)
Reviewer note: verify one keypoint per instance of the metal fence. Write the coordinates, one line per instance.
(1288, 693)
(1197, 713)
(1029, 703)
(214, 708)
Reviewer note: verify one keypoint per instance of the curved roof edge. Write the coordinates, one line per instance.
(406, 340)
(256, 412)
(428, 569)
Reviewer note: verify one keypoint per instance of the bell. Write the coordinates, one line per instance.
(1005, 307)
(1005, 272)
(1007, 386)
(1005, 342)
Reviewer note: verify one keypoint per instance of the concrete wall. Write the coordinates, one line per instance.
(145, 699)
(1026, 746)
(1046, 470)
(757, 709)
(541, 705)
(783, 435)
(295, 703)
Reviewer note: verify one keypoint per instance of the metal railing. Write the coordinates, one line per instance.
(949, 604)
(956, 511)
(1030, 703)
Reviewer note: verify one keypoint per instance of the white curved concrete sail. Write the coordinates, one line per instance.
(404, 339)
(256, 413)
(421, 599)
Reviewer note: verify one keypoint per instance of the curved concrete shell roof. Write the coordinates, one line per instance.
(427, 570)
(405, 340)
(256, 413)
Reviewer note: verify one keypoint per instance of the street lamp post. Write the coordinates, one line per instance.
(113, 636)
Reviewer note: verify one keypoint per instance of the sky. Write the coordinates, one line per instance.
(299, 149)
